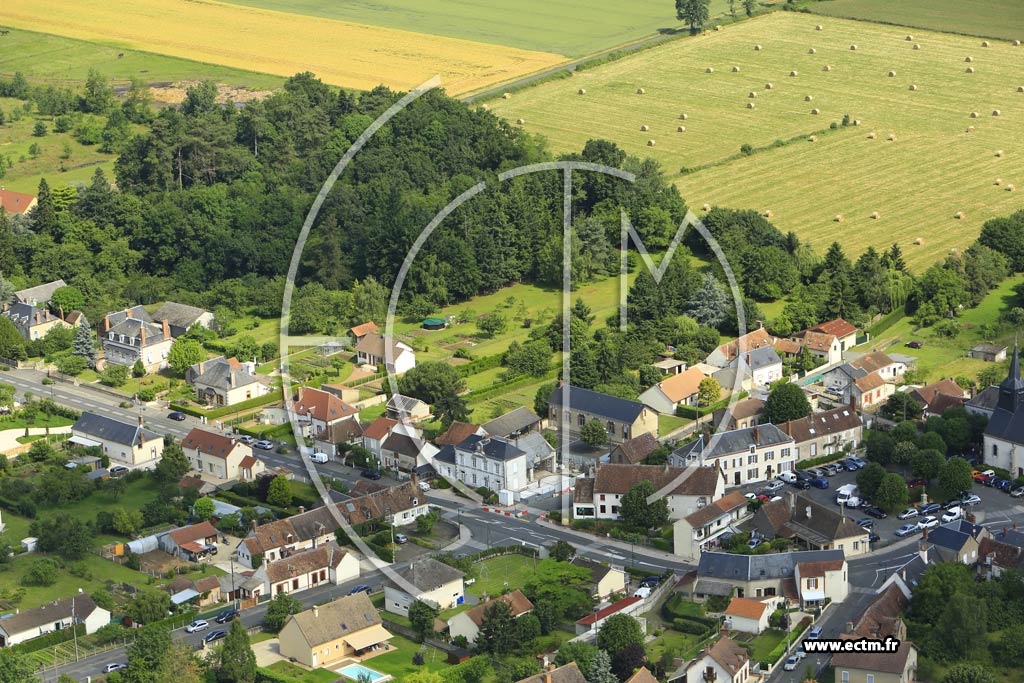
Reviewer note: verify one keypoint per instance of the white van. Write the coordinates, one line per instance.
(788, 477)
(848, 495)
(318, 457)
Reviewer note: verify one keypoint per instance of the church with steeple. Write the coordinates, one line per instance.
(1004, 436)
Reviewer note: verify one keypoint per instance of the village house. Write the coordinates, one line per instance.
(513, 424)
(804, 577)
(750, 616)
(39, 295)
(458, 432)
(405, 450)
(623, 419)
(17, 203)
(325, 564)
(958, 541)
(335, 440)
(406, 409)
(131, 336)
(568, 673)
(764, 365)
(634, 451)
(820, 345)
(182, 318)
(468, 623)
(605, 580)
(31, 322)
(876, 667)
(201, 592)
(192, 542)
(131, 445)
(701, 530)
(631, 606)
(813, 525)
(376, 432)
(670, 366)
(360, 331)
(53, 616)
(844, 332)
(725, 355)
(224, 381)
(434, 583)
(324, 635)
(825, 433)
(674, 391)
(494, 463)
(371, 349)
(684, 489)
(1004, 435)
(746, 455)
(316, 410)
(997, 555)
(744, 413)
(220, 458)
(726, 661)
(938, 397)
(990, 353)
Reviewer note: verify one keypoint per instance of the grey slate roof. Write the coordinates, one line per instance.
(179, 315)
(761, 357)
(401, 443)
(535, 446)
(734, 441)
(729, 567)
(219, 374)
(953, 535)
(24, 315)
(446, 454)
(137, 312)
(109, 429)
(39, 295)
(428, 574)
(596, 403)
(1012, 537)
(491, 447)
(48, 614)
(511, 423)
(986, 399)
(130, 327)
(1006, 426)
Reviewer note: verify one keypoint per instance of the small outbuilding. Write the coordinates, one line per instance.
(990, 353)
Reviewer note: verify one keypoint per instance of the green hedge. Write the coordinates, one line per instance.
(272, 397)
(822, 460)
(689, 626)
(49, 640)
(504, 387)
(693, 413)
(479, 365)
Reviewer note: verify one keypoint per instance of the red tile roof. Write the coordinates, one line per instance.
(807, 569)
(837, 328)
(456, 434)
(681, 386)
(517, 602)
(379, 428)
(15, 202)
(364, 329)
(608, 611)
(751, 340)
(217, 445)
(746, 608)
(321, 405)
(194, 532)
(247, 462)
(817, 340)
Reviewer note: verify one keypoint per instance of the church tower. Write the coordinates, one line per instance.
(1011, 389)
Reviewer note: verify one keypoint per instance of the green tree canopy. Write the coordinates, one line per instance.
(278, 611)
(786, 402)
(594, 433)
(184, 354)
(236, 662)
(637, 512)
(618, 632)
(892, 492)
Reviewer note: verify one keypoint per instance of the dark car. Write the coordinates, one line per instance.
(802, 484)
(873, 537)
(225, 616)
(359, 589)
(929, 509)
(914, 483)
(849, 465)
(866, 523)
(914, 344)
(118, 470)
(1004, 484)
(176, 416)
(650, 581)
(371, 474)
(819, 483)
(215, 635)
(876, 512)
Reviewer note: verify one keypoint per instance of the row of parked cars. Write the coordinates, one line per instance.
(931, 515)
(992, 480)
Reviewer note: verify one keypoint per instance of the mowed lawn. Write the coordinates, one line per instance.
(495, 574)
(345, 54)
(996, 18)
(933, 170)
(567, 27)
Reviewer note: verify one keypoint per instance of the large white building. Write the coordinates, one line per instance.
(1004, 435)
(756, 453)
(485, 461)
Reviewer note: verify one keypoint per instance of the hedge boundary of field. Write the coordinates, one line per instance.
(266, 399)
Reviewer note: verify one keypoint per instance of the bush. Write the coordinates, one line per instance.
(689, 626)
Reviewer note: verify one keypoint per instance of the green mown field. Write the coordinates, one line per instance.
(567, 27)
(994, 18)
(917, 183)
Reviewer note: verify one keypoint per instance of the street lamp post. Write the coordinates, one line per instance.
(74, 625)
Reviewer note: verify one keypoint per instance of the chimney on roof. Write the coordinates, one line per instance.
(302, 508)
(757, 435)
(38, 318)
(231, 378)
(47, 315)
(142, 334)
(167, 330)
(808, 511)
(106, 322)
(922, 549)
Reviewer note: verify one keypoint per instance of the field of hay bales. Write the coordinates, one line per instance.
(931, 170)
(341, 53)
(992, 18)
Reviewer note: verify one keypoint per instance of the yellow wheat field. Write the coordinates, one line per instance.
(341, 53)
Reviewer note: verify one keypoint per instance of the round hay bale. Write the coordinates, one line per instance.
(819, 27)
(683, 117)
(681, 129)
(970, 69)
(750, 105)
(793, 73)
(507, 96)
(815, 112)
(1016, 43)
(872, 135)
(856, 122)
(735, 69)
(581, 91)
(969, 59)
(757, 48)
(892, 137)
(718, 28)
(641, 91)
(892, 74)
(768, 214)
(913, 87)
(520, 121)
(752, 94)
(909, 38)
(984, 43)
(813, 138)
(853, 48)
(827, 67)
(838, 218)
(919, 241)
(1020, 88)
(875, 215)
(650, 143)
(1010, 187)
(996, 112)
(999, 153)
(645, 128)
(808, 98)
(917, 46)
(709, 70)
(812, 51)
(959, 215)
(974, 114)
(768, 86)
(998, 182)
(706, 207)
(970, 129)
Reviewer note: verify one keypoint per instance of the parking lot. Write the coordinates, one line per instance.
(995, 511)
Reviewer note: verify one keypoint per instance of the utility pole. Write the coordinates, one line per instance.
(74, 625)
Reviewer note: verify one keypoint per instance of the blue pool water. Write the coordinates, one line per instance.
(354, 671)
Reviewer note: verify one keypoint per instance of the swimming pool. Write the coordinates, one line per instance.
(354, 671)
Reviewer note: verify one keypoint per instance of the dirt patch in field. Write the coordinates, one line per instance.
(464, 344)
(174, 93)
(457, 361)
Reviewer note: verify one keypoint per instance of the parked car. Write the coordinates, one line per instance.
(928, 522)
(226, 615)
(215, 635)
(814, 633)
(318, 457)
(176, 416)
(876, 512)
(849, 465)
(915, 483)
(873, 537)
(401, 539)
(750, 496)
(907, 530)
(786, 477)
(861, 464)
(971, 499)
(929, 508)
(424, 486)
(819, 483)
(361, 588)
(247, 439)
(652, 581)
(371, 474)
(264, 445)
(802, 485)
(642, 592)
(197, 625)
(773, 486)
(754, 542)
(955, 503)
(866, 523)
(1017, 492)
(831, 469)
(118, 470)
(763, 498)
(908, 513)
(802, 475)
(1004, 485)
(952, 514)
(914, 344)
(794, 660)
(116, 666)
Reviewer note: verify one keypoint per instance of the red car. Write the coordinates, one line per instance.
(914, 344)
(914, 483)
